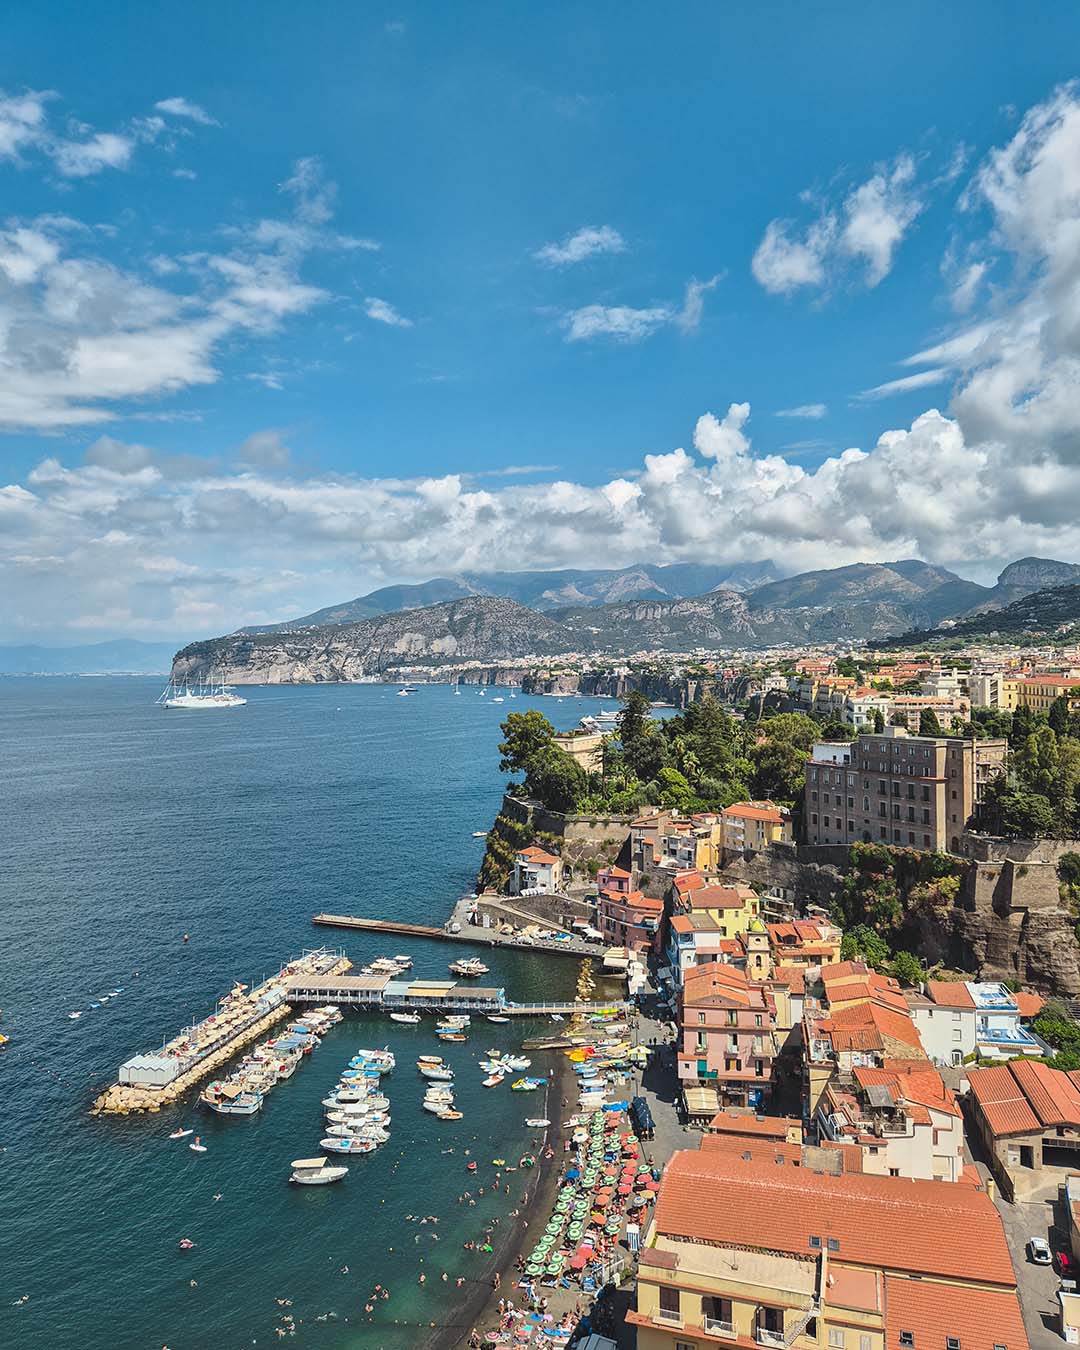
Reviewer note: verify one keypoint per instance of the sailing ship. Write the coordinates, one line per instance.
(208, 693)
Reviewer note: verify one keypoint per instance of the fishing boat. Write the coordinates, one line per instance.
(437, 1073)
(428, 1059)
(315, 1172)
(410, 1019)
(492, 1017)
(450, 1115)
(457, 1037)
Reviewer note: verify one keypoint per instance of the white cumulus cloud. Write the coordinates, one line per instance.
(587, 242)
(182, 107)
(384, 312)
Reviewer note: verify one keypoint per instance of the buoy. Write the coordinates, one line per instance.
(185, 937)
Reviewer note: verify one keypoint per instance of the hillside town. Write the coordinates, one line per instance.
(866, 1071)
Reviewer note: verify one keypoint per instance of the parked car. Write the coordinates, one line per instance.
(1039, 1251)
(1064, 1265)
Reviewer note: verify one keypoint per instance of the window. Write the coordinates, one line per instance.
(952, 1343)
(926, 841)
(907, 1338)
(833, 1244)
(685, 1345)
(815, 1243)
(911, 836)
(866, 1342)
(701, 1019)
(926, 817)
(836, 1337)
(813, 820)
(669, 1301)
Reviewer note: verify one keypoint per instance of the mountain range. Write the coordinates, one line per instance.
(858, 602)
(123, 656)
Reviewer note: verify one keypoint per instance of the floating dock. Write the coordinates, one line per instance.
(147, 1082)
(383, 993)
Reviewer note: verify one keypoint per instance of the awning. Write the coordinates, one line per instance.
(701, 1101)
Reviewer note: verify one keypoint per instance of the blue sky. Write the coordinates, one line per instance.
(410, 288)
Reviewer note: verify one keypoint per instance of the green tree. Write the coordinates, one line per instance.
(879, 721)
(525, 735)
(795, 728)
(907, 968)
(1058, 717)
(556, 779)
(779, 769)
(861, 943)
(673, 788)
(929, 724)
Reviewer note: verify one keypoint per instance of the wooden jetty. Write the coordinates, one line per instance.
(383, 926)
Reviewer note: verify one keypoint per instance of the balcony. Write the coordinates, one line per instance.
(765, 1337)
(715, 1326)
(671, 1319)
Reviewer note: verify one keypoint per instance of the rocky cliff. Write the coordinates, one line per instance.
(477, 628)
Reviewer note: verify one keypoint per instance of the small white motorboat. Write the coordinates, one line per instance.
(410, 1019)
(315, 1172)
(74, 1016)
(537, 1123)
(494, 1080)
(493, 1018)
(437, 1073)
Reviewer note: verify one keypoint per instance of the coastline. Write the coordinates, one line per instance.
(480, 1308)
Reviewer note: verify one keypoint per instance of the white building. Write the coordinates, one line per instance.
(956, 1020)
(536, 870)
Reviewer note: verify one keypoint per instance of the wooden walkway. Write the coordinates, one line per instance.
(486, 937)
(383, 926)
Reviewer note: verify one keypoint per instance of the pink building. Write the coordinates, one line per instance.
(726, 1040)
(630, 919)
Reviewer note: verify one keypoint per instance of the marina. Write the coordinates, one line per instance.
(149, 1081)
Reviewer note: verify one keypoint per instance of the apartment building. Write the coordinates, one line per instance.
(893, 788)
(904, 1119)
(803, 944)
(726, 1025)
(630, 919)
(750, 1247)
(958, 1019)
(733, 907)
(749, 827)
(535, 869)
(907, 709)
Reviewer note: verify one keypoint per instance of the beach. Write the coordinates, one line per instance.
(480, 1309)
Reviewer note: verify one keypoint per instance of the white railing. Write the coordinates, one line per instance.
(716, 1326)
(673, 1317)
(765, 1337)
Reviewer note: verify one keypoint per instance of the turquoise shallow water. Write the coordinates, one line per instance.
(121, 828)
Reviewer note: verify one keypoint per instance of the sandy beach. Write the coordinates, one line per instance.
(480, 1308)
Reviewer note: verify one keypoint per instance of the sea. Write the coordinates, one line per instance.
(124, 827)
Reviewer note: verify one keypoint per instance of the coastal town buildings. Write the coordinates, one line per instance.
(732, 907)
(958, 1020)
(584, 747)
(726, 1040)
(747, 1246)
(536, 870)
(627, 918)
(749, 827)
(902, 1117)
(1027, 1116)
(803, 943)
(914, 791)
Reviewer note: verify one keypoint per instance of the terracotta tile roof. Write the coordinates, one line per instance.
(1003, 1105)
(979, 1318)
(950, 993)
(922, 1085)
(792, 977)
(688, 881)
(840, 970)
(721, 897)
(772, 815)
(1029, 1004)
(537, 855)
(867, 1016)
(743, 1123)
(881, 1222)
(760, 1150)
(619, 872)
(1052, 1094)
(632, 900)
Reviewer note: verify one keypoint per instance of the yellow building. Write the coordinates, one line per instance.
(733, 907)
(1038, 692)
(749, 827)
(749, 1248)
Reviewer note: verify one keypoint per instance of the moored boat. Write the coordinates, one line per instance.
(410, 1019)
(315, 1172)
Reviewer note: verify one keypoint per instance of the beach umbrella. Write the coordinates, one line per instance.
(625, 1188)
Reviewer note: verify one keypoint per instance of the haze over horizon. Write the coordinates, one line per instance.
(294, 305)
